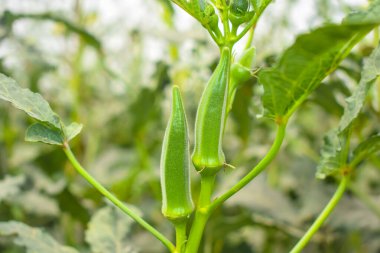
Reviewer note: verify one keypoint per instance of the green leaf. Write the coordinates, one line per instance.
(50, 130)
(258, 4)
(42, 133)
(332, 157)
(33, 239)
(369, 17)
(10, 186)
(355, 102)
(36, 203)
(108, 231)
(367, 147)
(72, 130)
(31, 103)
(310, 59)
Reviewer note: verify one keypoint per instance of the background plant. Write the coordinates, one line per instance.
(135, 133)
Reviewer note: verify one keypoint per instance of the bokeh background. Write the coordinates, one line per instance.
(110, 65)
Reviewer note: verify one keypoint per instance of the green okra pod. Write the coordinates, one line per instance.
(240, 73)
(208, 155)
(175, 163)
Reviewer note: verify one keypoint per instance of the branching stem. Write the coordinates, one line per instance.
(115, 200)
(322, 216)
(256, 170)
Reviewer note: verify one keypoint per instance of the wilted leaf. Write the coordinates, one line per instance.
(41, 133)
(331, 154)
(367, 147)
(31, 103)
(33, 239)
(371, 71)
(10, 186)
(310, 59)
(108, 231)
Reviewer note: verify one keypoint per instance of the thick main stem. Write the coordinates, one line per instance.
(201, 215)
(115, 200)
(322, 217)
(180, 235)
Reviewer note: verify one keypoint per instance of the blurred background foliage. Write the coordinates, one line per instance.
(110, 65)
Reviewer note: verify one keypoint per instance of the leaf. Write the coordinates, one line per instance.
(42, 133)
(10, 186)
(50, 130)
(72, 130)
(355, 102)
(367, 147)
(310, 59)
(258, 4)
(31, 103)
(36, 203)
(370, 17)
(331, 154)
(326, 96)
(44, 183)
(33, 239)
(108, 231)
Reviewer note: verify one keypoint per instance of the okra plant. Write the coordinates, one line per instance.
(286, 85)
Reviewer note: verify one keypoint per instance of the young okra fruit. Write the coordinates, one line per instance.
(175, 164)
(208, 156)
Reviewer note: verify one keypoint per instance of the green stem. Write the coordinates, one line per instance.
(256, 170)
(113, 199)
(180, 235)
(201, 214)
(322, 217)
(225, 22)
(250, 37)
(253, 21)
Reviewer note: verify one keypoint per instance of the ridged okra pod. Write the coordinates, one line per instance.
(208, 156)
(175, 164)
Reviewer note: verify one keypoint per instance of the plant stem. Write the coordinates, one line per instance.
(226, 25)
(180, 235)
(256, 170)
(322, 216)
(253, 21)
(250, 37)
(114, 200)
(201, 214)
